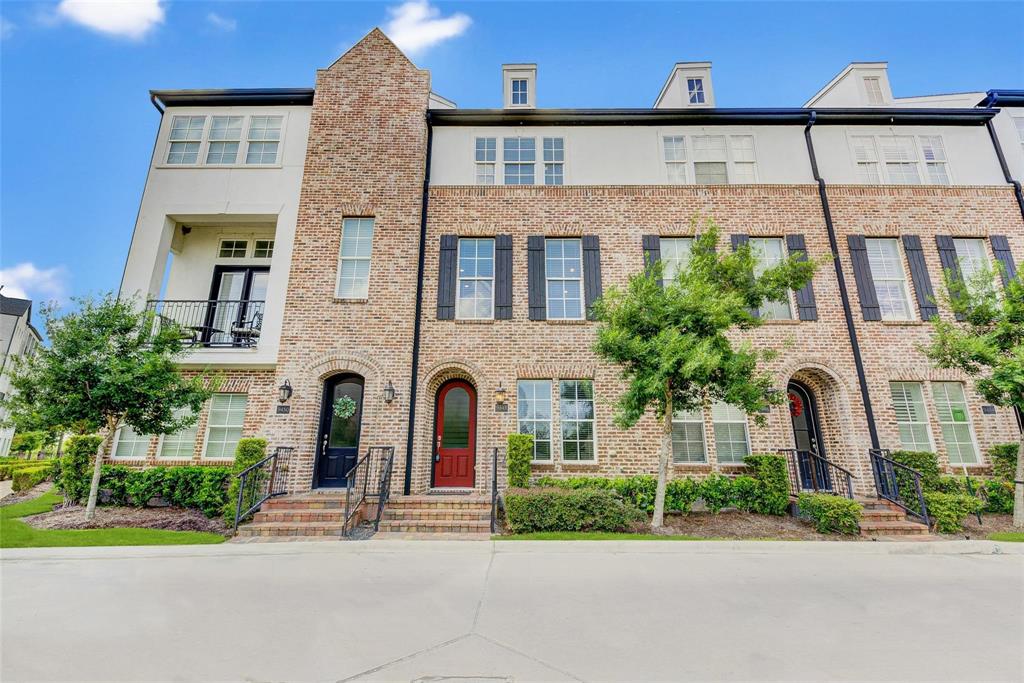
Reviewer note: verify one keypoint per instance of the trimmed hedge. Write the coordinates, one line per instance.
(1004, 460)
(518, 458)
(249, 451)
(831, 514)
(949, 510)
(9, 469)
(74, 473)
(558, 509)
(28, 477)
(771, 496)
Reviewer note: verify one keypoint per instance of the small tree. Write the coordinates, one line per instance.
(672, 340)
(106, 367)
(987, 345)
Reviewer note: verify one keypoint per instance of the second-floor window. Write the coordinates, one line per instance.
(485, 156)
(695, 90)
(354, 258)
(675, 254)
(563, 271)
(890, 280)
(519, 157)
(554, 161)
(770, 252)
(973, 261)
(476, 279)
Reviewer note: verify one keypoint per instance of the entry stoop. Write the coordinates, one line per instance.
(307, 515)
(883, 520)
(443, 515)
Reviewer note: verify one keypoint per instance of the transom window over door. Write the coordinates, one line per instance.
(476, 279)
(890, 280)
(951, 411)
(576, 415)
(563, 268)
(908, 404)
(675, 254)
(354, 258)
(770, 252)
(534, 411)
(519, 155)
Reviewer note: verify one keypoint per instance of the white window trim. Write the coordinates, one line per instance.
(564, 163)
(703, 440)
(206, 432)
(493, 164)
(368, 259)
(746, 433)
(117, 440)
(583, 285)
(790, 294)
(970, 427)
(271, 247)
(204, 143)
(924, 403)
(551, 420)
(689, 163)
(459, 278)
(882, 168)
(665, 161)
(222, 240)
(905, 285)
(593, 421)
(535, 163)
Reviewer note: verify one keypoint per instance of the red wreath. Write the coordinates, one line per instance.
(796, 406)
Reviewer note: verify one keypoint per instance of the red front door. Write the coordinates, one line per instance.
(455, 436)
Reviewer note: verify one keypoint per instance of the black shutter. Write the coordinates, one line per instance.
(591, 272)
(862, 274)
(652, 251)
(446, 276)
(737, 242)
(503, 277)
(919, 274)
(535, 277)
(950, 264)
(807, 308)
(1001, 248)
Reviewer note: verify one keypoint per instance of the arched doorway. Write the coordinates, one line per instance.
(455, 436)
(341, 417)
(803, 411)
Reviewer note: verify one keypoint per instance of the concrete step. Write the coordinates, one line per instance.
(291, 529)
(461, 526)
(430, 536)
(891, 528)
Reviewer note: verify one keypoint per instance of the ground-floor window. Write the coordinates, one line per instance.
(534, 410)
(224, 426)
(908, 404)
(182, 443)
(951, 410)
(688, 436)
(576, 414)
(130, 444)
(731, 442)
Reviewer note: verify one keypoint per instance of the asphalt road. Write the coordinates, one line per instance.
(514, 611)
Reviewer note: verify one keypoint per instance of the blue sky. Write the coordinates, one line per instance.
(77, 127)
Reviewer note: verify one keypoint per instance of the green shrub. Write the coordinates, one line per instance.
(248, 452)
(680, 494)
(949, 510)
(998, 497)
(771, 496)
(1004, 460)
(561, 509)
(75, 470)
(831, 514)
(114, 480)
(716, 490)
(518, 458)
(28, 477)
(744, 493)
(28, 442)
(925, 462)
(9, 469)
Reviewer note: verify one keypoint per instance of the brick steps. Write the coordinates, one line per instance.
(300, 515)
(882, 520)
(437, 514)
(308, 529)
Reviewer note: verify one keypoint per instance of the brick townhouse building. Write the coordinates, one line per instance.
(368, 239)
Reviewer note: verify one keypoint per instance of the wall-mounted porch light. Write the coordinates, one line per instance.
(390, 393)
(500, 394)
(284, 392)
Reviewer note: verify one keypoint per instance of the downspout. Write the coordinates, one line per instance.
(1006, 169)
(413, 380)
(858, 361)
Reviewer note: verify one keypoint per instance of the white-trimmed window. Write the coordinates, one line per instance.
(554, 161)
(563, 272)
(899, 155)
(744, 166)
(972, 259)
(901, 160)
(674, 147)
(731, 442)
(130, 444)
(519, 155)
(534, 410)
(951, 411)
(695, 90)
(185, 139)
(225, 136)
(354, 258)
(866, 159)
(233, 248)
(576, 418)
(675, 254)
(486, 158)
(263, 249)
(476, 279)
(934, 154)
(224, 424)
(890, 280)
(1019, 123)
(520, 91)
(688, 436)
(911, 416)
(770, 252)
(873, 86)
(710, 160)
(264, 137)
(180, 444)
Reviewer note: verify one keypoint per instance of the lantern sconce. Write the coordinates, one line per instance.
(284, 392)
(500, 394)
(389, 393)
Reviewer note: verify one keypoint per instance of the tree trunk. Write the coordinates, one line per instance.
(658, 520)
(97, 470)
(1018, 487)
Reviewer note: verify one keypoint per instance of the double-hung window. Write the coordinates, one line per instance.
(886, 266)
(695, 90)
(908, 404)
(576, 415)
(744, 167)
(688, 436)
(264, 137)
(225, 136)
(130, 444)
(224, 424)
(710, 160)
(554, 161)
(674, 147)
(354, 258)
(899, 154)
(181, 443)
(563, 271)
(520, 91)
(185, 139)
(486, 156)
(866, 159)
(951, 410)
(476, 279)
(519, 157)
(770, 252)
(973, 262)
(534, 410)
(731, 442)
(934, 159)
(675, 254)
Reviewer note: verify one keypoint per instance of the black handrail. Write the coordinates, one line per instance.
(898, 484)
(376, 464)
(259, 482)
(809, 471)
(495, 455)
(210, 322)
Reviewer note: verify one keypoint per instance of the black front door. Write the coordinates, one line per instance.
(803, 409)
(340, 418)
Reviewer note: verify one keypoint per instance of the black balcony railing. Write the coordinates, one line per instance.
(212, 323)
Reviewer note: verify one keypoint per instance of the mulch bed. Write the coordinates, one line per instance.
(743, 525)
(990, 524)
(28, 494)
(173, 519)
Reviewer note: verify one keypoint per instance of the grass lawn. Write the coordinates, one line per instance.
(16, 534)
(602, 536)
(1011, 536)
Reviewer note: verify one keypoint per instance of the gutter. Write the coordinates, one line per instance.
(1006, 169)
(414, 379)
(851, 330)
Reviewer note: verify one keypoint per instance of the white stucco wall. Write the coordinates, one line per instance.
(17, 339)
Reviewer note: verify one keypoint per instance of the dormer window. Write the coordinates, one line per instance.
(873, 86)
(519, 85)
(520, 92)
(695, 88)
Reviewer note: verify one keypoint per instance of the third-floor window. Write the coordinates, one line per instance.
(709, 159)
(520, 155)
(900, 159)
(224, 140)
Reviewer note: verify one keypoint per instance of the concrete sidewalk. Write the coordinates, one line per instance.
(404, 611)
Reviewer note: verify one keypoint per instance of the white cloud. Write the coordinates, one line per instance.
(416, 26)
(26, 281)
(124, 18)
(226, 24)
(6, 28)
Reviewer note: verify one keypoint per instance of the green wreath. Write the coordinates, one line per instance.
(344, 407)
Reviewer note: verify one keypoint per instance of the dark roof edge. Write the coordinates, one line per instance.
(1003, 98)
(235, 96)
(623, 117)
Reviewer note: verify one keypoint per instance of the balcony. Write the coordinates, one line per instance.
(219, 323)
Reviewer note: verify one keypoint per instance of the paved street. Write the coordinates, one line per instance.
(405, 611)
